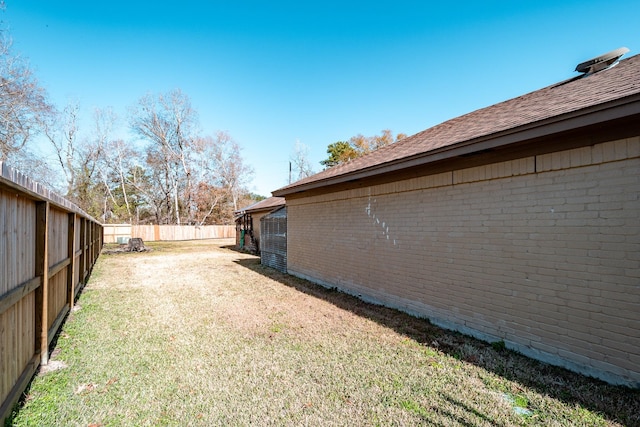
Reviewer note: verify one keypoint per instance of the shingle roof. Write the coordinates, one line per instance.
(535, 108)
(263, 205)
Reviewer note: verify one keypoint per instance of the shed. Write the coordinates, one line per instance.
(518, 222)
(248, 222)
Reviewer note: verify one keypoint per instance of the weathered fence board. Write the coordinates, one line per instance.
(120, 233)
(47, 249)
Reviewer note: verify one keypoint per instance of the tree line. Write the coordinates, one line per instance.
(344, 151)
(168, 173)
(339, 152)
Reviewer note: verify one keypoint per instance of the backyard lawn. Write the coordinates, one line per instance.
(195, 333)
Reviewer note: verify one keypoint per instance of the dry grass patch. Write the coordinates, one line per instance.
(193, 333)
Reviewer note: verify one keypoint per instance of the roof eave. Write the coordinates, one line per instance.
(259, 209)
(594, 115)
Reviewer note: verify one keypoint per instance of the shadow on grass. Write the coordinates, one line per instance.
(616, 403)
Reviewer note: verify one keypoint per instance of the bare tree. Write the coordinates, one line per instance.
(114, 160)
(300, 161)
(36, 167)
(87, 191)
(23, 103)
(168, 123)
(61, 129)
(220, 162)
(147, 194)
(119, 160)
(208, 199)
(81, 159)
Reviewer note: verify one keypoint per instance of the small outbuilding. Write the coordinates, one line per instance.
(519, 222)
(248, 222)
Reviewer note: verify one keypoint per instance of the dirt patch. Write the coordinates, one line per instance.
(53, 365)
(114, 249)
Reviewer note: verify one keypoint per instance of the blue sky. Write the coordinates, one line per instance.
(275, 72)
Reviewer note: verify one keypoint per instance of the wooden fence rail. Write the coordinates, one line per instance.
(48, 247)
(120, 233)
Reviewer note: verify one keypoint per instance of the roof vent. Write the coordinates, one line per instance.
(601, 62)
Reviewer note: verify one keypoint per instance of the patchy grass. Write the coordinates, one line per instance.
(193, 333)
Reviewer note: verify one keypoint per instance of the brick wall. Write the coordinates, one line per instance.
(541, 252)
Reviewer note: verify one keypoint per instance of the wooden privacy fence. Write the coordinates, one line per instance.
(121, 233)
(47, 249)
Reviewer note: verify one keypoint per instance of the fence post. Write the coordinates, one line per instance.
(71, 253)
(90, 245)
(83, 254)
(42, 270)
(97, 244)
